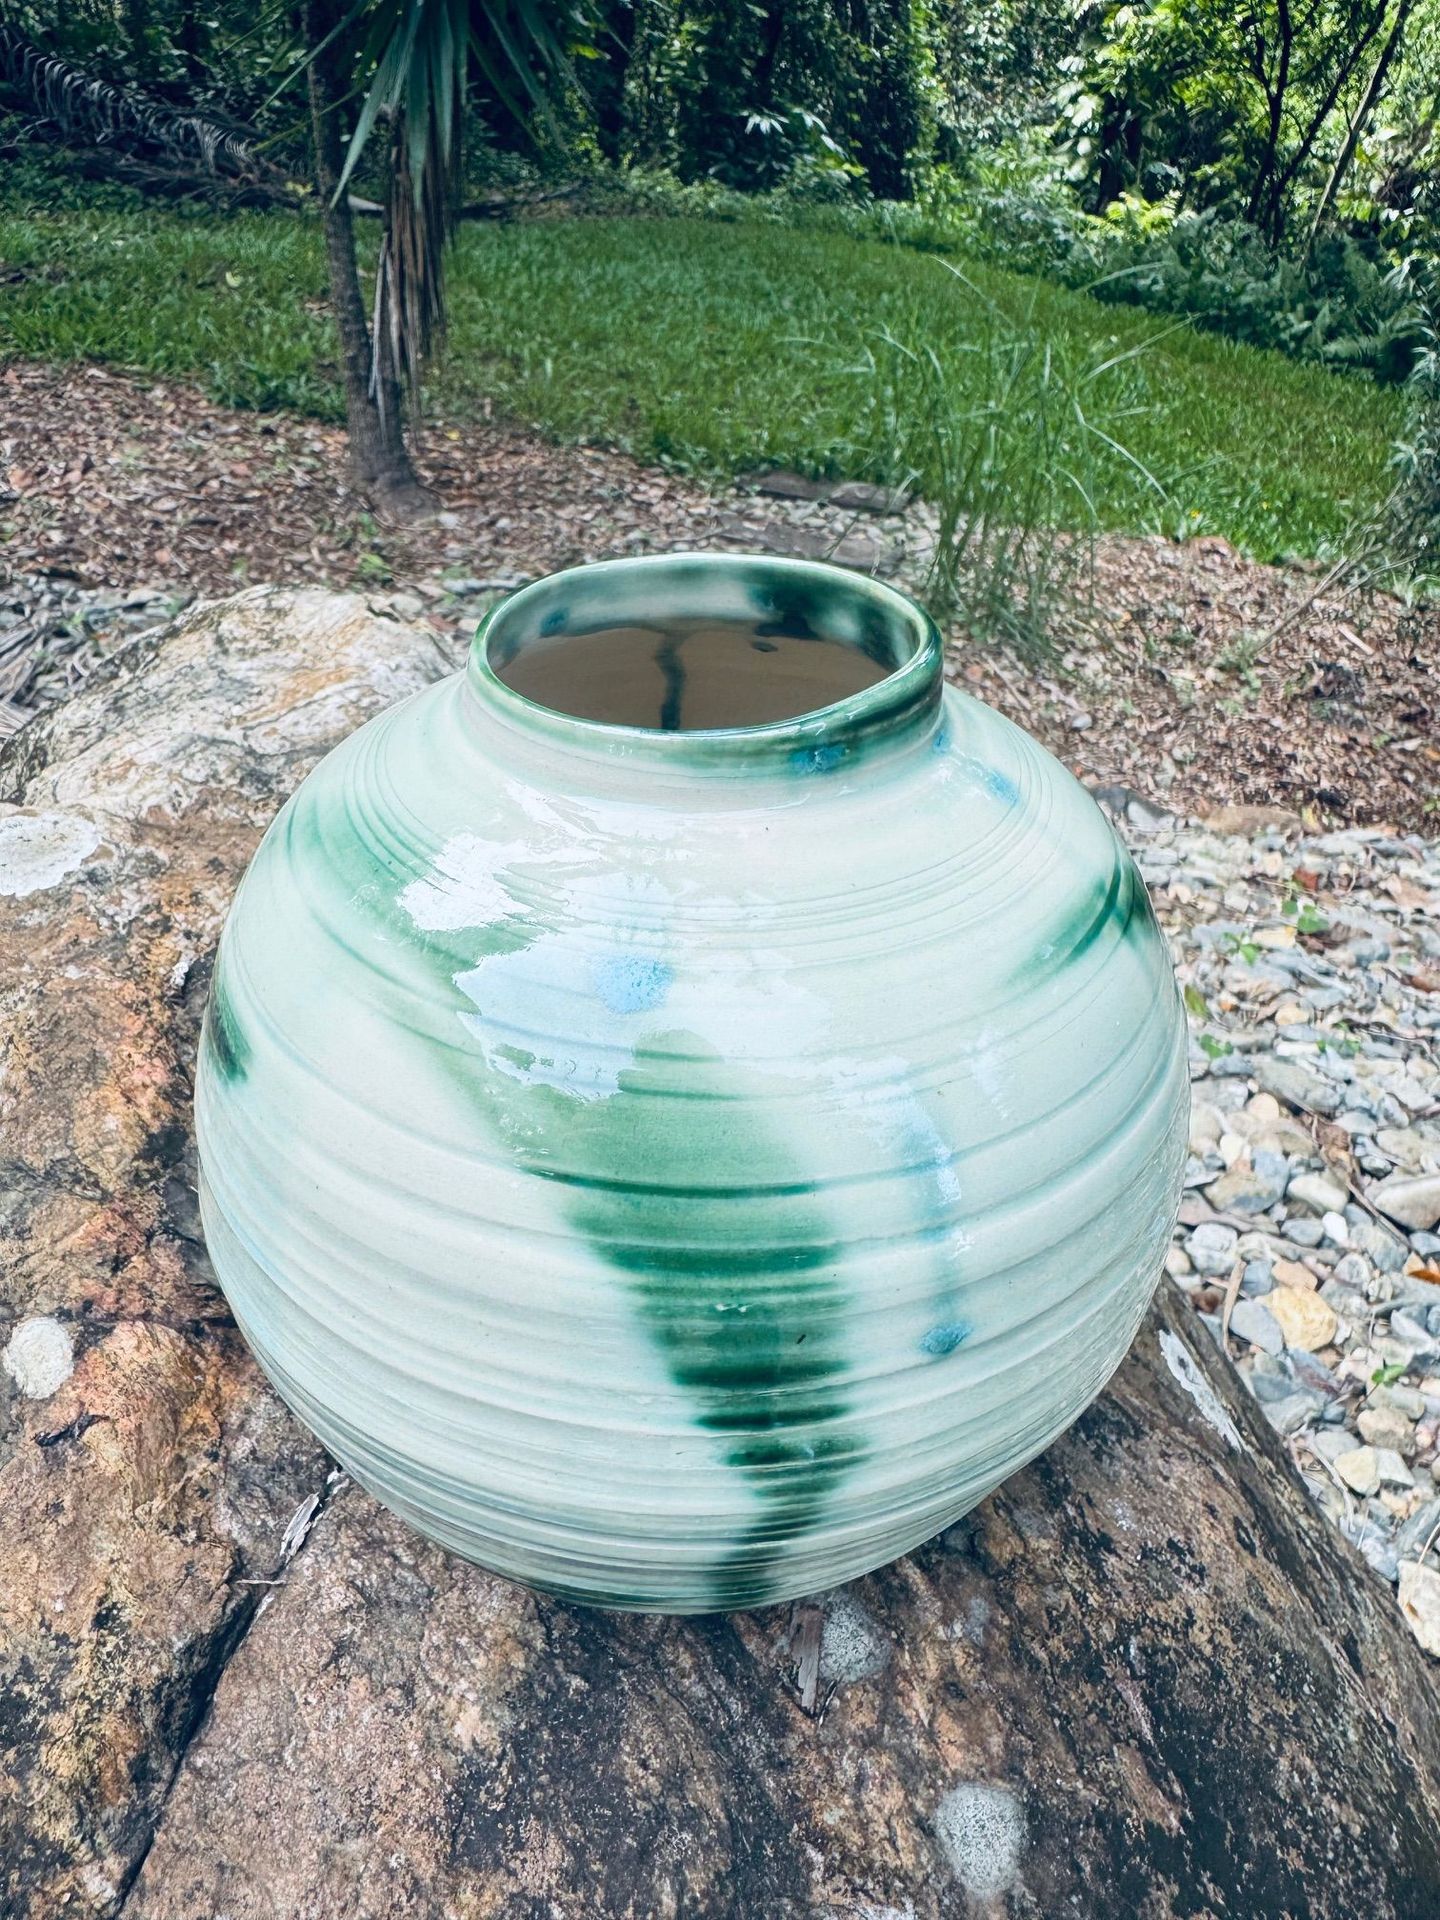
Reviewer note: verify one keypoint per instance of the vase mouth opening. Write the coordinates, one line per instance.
(706, 658)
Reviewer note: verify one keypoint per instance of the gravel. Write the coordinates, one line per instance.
(1311, 970)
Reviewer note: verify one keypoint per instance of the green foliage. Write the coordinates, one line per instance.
(1342, 307)
(796, 90)
(1175, 154)
(1233, 103)
(719, 347)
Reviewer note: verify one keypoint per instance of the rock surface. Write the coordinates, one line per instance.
(1146, 1677)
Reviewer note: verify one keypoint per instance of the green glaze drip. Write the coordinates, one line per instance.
(229, 1048)
(740, 1295)
(726, 1252)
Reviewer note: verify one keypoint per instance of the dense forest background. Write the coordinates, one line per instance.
(1263, 172)
(1269, 170)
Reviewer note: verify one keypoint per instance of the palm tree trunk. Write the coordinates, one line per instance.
(379, 461)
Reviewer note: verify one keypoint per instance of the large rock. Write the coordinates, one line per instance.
(1146, 1678)
(148, 1489)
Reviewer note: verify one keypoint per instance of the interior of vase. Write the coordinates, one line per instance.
(699, 643)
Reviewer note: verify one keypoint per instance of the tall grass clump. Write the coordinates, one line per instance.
(1002, 435)
(1413, 527)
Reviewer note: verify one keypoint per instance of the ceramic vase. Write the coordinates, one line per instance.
(683, 1168)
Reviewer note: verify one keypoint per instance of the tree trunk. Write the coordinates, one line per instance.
(607, 87)
(379, 460)
(1263, 208)
(1358, 123)
(1144, 1680)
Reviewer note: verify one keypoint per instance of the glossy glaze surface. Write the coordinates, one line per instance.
(686, 1169)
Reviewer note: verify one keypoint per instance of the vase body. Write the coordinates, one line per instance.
(684, 1170)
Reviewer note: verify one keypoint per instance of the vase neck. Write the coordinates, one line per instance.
(892, 644)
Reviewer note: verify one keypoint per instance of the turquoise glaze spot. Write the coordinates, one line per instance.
(607, 1131)
(942, 1340)
(628, 984)
(999, 786)
(823, 759)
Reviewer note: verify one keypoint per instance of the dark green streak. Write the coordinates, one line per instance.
(1116, 904)
(229, 1048)
(737, 1285)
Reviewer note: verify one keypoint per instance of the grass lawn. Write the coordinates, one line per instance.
(719, 347)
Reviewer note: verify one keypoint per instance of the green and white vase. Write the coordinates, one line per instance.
(685, 1157)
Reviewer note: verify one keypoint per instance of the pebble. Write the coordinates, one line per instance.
(1413, 1202)
(1359, 1468)
(1291, 1273)
(1257, 1278)
(1420, 1343)
(1253, 1321)
(1420, 1603)
(1388, 1253)
(1305, 1319)
(1211, 1248)
(1296, 1085)
(1392, 1469)
(1317, 1191)
(1422, 1525)
(1250, 1189)
(1373, 1542)
(1312, 1371)
(1383, 1427)
(1408, 1402)
(1268, 1379)
(1336, 1229)
(1294, 1412)
(1353, 1271)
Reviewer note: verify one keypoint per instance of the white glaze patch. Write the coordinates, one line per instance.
(852, 1647)
(39, 1357)
(1180, 1363)
(37, 850)
(464, 888)
(982, 1830)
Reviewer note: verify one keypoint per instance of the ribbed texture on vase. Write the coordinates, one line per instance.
(688, 1193)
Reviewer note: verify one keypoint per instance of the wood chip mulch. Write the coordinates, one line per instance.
(113, 482)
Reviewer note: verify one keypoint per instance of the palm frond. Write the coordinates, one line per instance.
(79, 103)
(417, 54)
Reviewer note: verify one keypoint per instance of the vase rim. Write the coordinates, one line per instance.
(903, 701)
